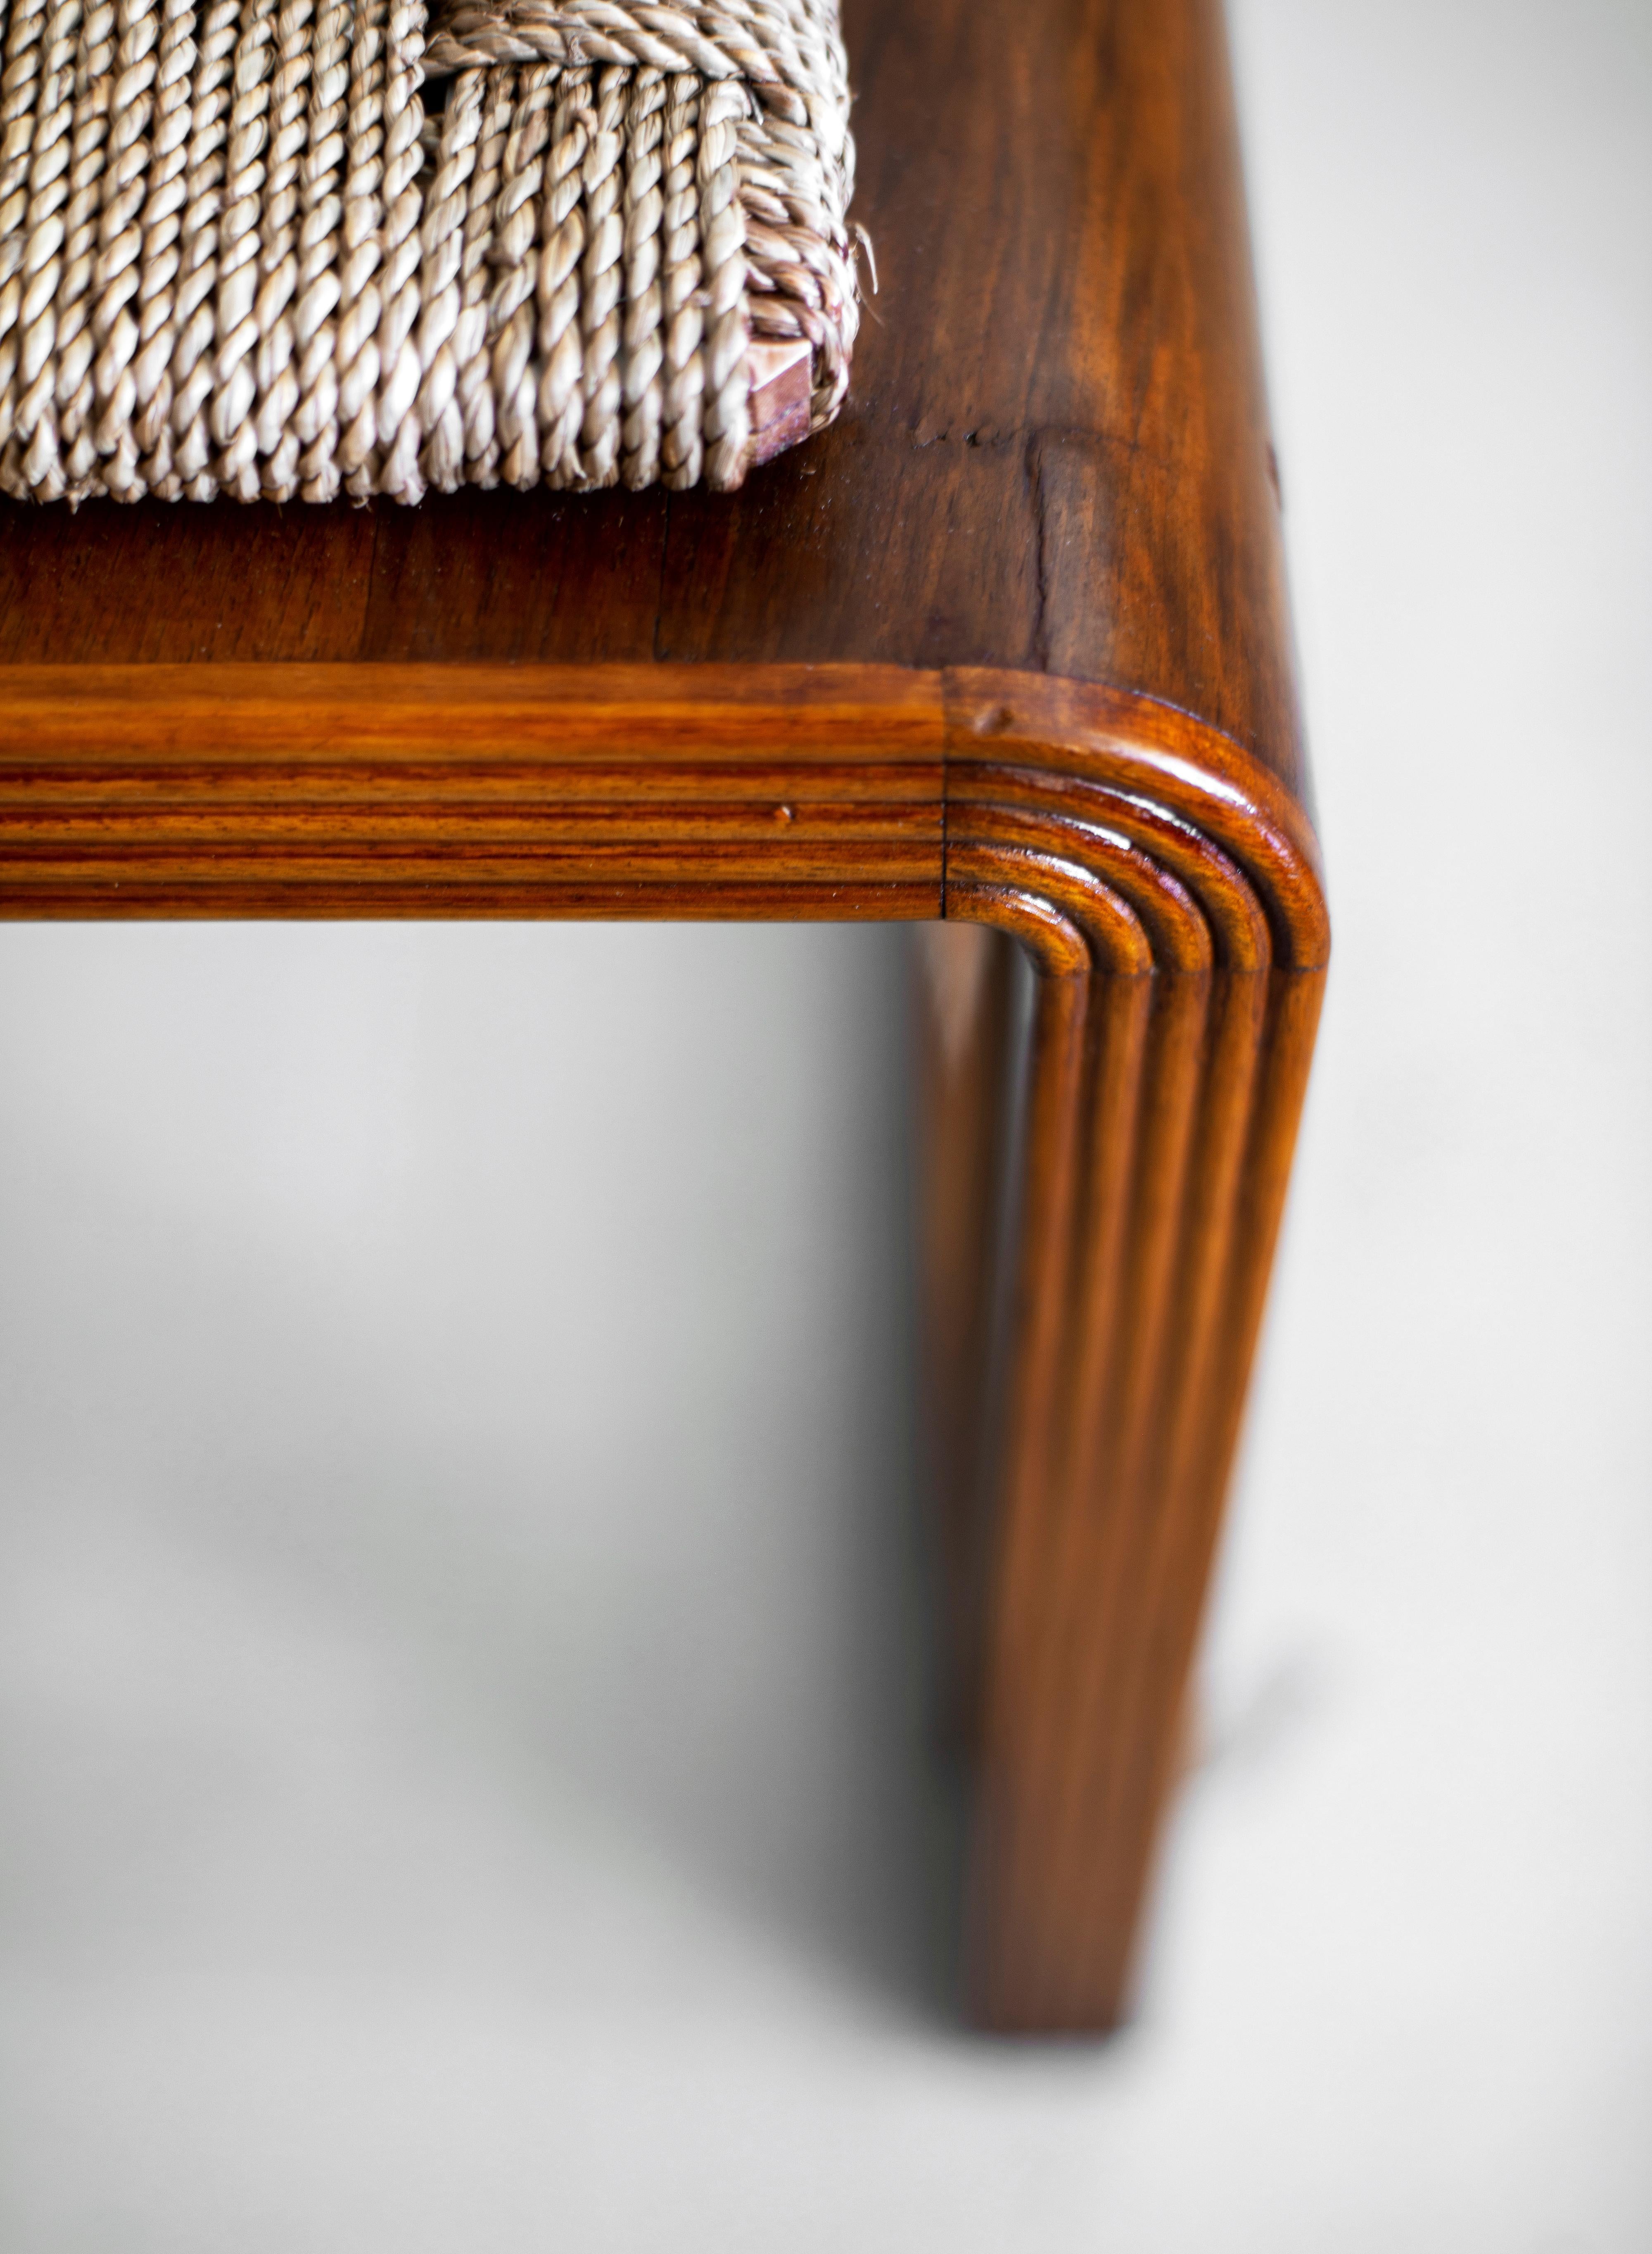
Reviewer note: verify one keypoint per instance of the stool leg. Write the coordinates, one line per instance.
(1158, 1119)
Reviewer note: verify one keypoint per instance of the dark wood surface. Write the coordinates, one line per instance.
(1008, 647)
(1054, 457)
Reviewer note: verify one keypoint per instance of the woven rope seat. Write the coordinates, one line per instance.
(283, 250)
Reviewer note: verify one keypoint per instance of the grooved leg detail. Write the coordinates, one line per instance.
(1177, 990)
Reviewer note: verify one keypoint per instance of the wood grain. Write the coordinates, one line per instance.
(1055, 456)
(467, 790)
(1008, 645)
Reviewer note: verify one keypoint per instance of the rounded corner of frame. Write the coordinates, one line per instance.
(1086, 758)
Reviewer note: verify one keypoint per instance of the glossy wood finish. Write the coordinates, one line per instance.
(1007, 646)
(1166, 890)
(432, 790)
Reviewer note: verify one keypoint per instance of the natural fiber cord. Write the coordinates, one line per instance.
(243, 253)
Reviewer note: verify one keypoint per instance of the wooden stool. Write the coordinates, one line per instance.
(1008, 647)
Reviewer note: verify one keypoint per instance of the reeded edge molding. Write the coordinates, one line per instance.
(621, 792)
(1079, 752)
(1174, 823)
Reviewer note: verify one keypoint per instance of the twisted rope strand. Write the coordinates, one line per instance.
(681, 449)
(229, 417)
(31, 461)
(563, 228)
(359, 306)
(400, 434)
(116, 276)
(318, 285)
(728, 419)
(193, 361)
(442, 250)
(19, 100)
(600, 274)
(471, 341)
(275, 380)
(516, 255)
(643, 387)
(143, 457)
(75, 341)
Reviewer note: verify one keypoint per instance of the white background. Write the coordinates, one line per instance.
(463, 1779)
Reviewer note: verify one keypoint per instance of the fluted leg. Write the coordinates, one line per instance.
(1164, 1076)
